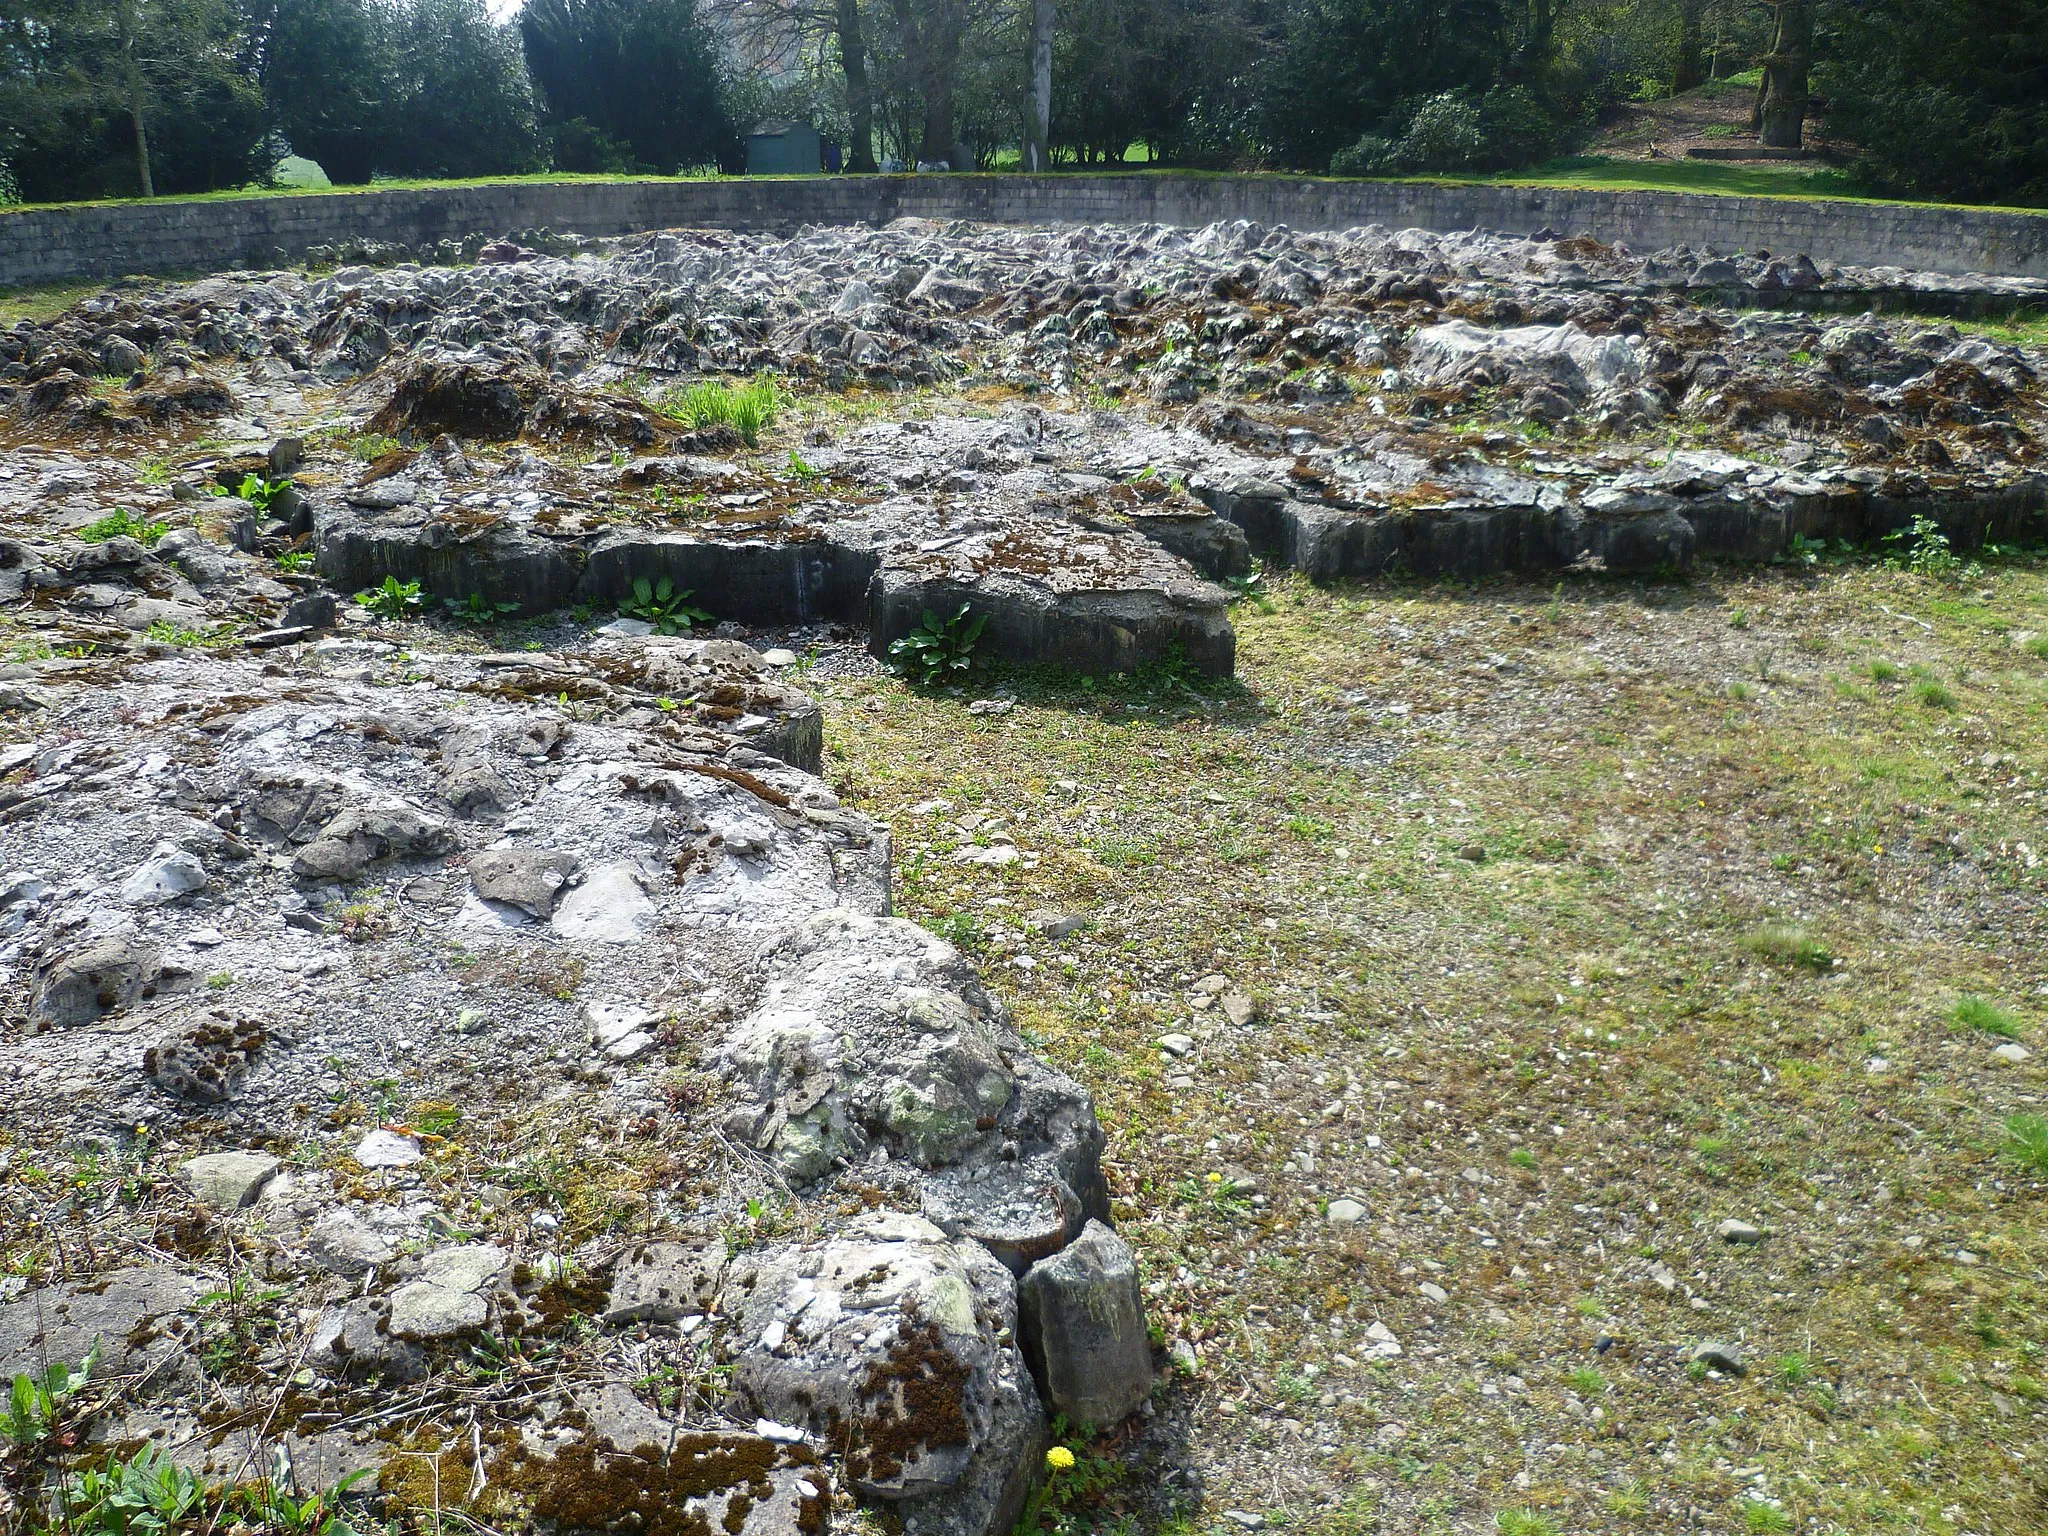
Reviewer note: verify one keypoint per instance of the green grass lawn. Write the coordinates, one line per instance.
(1599, 171)
(301, 178)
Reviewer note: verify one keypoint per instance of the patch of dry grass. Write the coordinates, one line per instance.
(1562, 958)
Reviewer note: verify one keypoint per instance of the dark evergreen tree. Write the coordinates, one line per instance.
(1947, 98)
(331, 76)
(467, 108)
(641, 73)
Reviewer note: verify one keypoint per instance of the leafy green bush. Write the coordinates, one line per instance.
(1929, 553)
(33, 1402)
(1446, 134)
(1458, 131)
(145, 1495)
(123, 524)
(1373, 155)
(662, 604)
(1519, 129)
(257, 491)
(392, 599)
(477, 609)
(938, 647)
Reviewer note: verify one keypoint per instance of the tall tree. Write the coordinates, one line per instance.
(860, 99)
(1947, 98)
(782, 39)
(463, 104)
(1690, 69)
(131, 78)
(1345, 68)
(102, 99)
(929, 34)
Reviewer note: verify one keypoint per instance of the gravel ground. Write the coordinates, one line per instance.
(1579, 925)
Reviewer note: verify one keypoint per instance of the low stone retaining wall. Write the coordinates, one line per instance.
(111, 240)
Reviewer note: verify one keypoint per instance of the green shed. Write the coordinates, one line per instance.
(784, 149)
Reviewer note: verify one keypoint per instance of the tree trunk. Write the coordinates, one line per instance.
(1691, 70)
(1542, 32)
(1781, 103)
(132, 67)
(941, 59)
(860, 101)
(1038, 117)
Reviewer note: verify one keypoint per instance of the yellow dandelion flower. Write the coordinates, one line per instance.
(1058, 1459)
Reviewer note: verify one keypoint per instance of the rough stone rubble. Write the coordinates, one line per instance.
(242, 888)
(1347, 403)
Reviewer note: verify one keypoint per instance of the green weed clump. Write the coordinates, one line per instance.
(123, 524)
(392, 598)
(663, 604)
(2026, 1142)
(939, 648)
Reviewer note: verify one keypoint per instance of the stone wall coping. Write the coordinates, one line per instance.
(73, 241)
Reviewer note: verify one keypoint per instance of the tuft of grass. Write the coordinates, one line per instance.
(1524, 1522)
(1787, 944)
(1794, 1370)
(1586, 1381)
(1764, 1519)
(1631, 1501)
(2026, 1142)
(1881, 672)
(748, 408)
(1933, 695)
(1522, 1157)
(2038, 646)
(1973, 1012)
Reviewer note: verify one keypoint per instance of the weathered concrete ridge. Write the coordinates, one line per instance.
(50, 244)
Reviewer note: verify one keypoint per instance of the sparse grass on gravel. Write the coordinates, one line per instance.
(1562, 958)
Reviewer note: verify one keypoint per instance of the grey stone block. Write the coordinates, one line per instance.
(1083, 1328)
